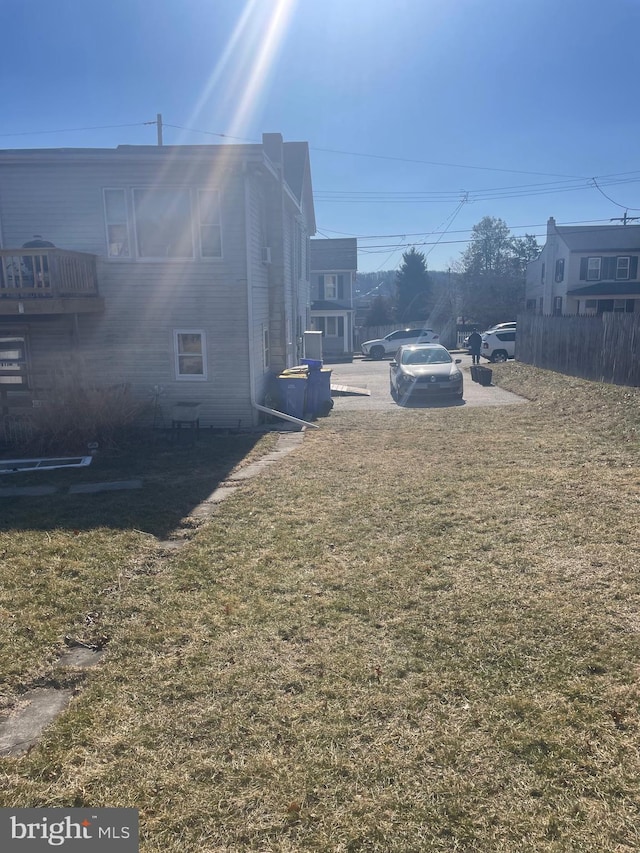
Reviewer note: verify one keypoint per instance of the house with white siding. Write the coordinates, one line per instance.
(334, 265)
(585, 269)
(180, 271)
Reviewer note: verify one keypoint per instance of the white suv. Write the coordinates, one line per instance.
(389, 345)
(499, 345)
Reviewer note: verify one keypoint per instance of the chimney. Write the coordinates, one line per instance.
(273, 146)
(551, 226)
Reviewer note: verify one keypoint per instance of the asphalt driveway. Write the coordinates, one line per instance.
(374, 376)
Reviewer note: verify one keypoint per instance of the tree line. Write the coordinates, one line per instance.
(486, 285)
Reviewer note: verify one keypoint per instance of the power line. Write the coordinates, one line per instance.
(447, 165)
(77, 129)
(579, 223)
(623, 206)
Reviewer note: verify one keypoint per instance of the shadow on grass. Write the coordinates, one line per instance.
(176, 476)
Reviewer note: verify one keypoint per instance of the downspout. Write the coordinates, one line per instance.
(252, 391)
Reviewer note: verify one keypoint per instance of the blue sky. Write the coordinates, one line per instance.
(422, 116)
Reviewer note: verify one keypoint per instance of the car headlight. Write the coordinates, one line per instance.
(454, 377)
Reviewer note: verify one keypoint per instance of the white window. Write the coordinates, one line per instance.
(117, 223)
(266, 357)
(163, 223)
(190, 354)
(593, 269)
(331, 287)
(209, 221)
(622, 267)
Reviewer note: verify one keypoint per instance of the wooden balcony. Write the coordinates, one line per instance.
(48, 281)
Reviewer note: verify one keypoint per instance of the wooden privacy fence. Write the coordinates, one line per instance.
(603, 349)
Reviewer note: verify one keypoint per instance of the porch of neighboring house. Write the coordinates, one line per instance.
(336, 325)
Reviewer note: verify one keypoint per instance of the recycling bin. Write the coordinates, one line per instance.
(292, 390)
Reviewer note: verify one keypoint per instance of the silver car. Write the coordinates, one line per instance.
(425, 370)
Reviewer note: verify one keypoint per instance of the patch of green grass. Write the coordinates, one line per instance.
(412, 634)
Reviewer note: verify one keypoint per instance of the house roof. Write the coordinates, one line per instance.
(609, 288)
(600, 238)
(338, 254)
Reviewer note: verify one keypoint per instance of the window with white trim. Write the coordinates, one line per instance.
(622, 267)
(117, 223)
(331, 287)
(209, 223)
(163, 222)
(266, 357)
(331, 327)
(593, 269)
(190, 354)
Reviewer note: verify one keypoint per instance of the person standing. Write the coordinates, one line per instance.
(475, 342)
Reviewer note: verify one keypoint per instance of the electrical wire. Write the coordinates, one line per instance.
(623, 206)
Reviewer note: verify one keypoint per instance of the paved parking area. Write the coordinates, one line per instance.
(374, 376)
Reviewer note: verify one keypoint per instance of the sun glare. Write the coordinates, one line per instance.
(241, 73)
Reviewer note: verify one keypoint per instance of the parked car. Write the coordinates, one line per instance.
(499, 345)
(426, 370)
(497, 328)
(502, 327)
(388, 345)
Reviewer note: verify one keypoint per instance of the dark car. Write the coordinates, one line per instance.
(425, 370)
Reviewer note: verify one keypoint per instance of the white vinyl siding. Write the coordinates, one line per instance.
(190, 354)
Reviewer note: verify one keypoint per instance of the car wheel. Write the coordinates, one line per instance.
(377, 353)
(392, 391)
(499, 355)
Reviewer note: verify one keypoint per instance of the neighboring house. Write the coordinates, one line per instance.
(334, 265)
(180, 271)
(589, 269)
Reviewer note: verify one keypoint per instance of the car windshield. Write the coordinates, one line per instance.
(426, 356)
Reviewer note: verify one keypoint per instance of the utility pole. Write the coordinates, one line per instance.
(624, 219)
(158, 124)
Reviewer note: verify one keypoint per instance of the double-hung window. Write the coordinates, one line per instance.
(331, 287)
(163, 222)
(190, 354)
(117, 223)
(622, 267)
(209, 223)
(593, 269)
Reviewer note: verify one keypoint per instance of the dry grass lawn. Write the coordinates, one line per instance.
(417, 633)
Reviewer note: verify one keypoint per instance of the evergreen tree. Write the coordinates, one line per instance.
(380, 313)
(413, 288)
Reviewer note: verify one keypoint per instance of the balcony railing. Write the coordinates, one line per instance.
(46, 273)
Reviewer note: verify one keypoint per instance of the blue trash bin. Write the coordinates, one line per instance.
(312, 363)
(324, 402)
(293, 393)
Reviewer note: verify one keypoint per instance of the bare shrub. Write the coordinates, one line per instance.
(72, 414)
